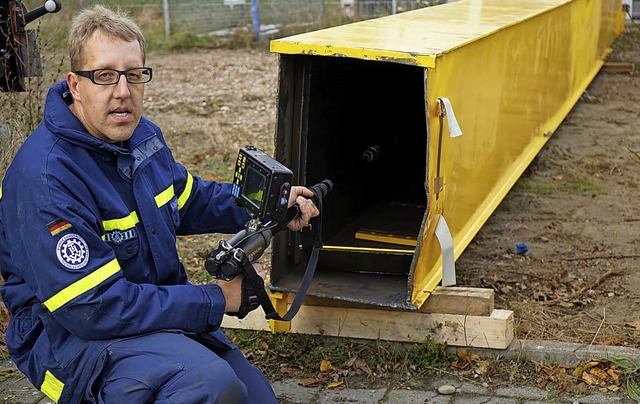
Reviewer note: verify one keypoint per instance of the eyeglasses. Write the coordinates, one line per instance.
(106, 77)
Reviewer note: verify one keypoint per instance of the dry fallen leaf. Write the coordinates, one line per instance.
(482, 367)
(326, 366)
(614, 376)
(350, 362)
(333, 385)
(541, 383)
(461, 363)
(591, 380)
(312, 382)
(362, 365)
(600, 374)
(4, 317)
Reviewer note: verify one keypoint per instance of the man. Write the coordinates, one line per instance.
(100, 306)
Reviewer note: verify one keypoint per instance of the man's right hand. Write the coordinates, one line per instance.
(232, 290)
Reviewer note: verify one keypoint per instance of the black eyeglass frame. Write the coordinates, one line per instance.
(90, 75)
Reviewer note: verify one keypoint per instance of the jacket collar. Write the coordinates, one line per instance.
(63, 123)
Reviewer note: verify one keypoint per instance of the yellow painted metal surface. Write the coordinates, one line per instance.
(510, 91)
(512, 71)
(280, 303)
(420, 36)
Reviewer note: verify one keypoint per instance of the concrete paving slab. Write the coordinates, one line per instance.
(529, 393)
(556, 352)
(290, 392)
(18, 390)
(359, 396)
(406, 396)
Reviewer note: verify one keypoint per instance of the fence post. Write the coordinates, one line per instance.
(255, 18)
(167, 21)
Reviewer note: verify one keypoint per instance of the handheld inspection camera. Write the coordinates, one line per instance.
(262, 185)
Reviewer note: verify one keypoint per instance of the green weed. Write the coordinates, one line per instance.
(630, 375)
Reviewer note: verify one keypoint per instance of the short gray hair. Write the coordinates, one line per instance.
(115, 24)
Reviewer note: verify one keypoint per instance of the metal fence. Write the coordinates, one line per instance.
(222, 16)
(262, 17)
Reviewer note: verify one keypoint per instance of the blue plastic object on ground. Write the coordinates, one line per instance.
(521, 248)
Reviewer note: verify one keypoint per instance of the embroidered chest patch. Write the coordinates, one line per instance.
(118, 237)
(72, 251)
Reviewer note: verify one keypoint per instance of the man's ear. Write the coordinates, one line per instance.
(72, 81)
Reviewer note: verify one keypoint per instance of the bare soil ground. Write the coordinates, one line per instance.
(576, 207)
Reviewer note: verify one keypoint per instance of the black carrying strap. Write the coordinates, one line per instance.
(311, 244)
(248, 302)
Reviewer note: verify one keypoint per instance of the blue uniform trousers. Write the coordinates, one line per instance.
(170, 367)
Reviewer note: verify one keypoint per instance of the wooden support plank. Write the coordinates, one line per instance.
(253, 321)
(493, 330)
(619, 67)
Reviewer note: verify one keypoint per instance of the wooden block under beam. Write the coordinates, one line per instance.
(494, 331)
(619, 67)
(460, 300)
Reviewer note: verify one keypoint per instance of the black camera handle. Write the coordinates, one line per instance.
(234, 256)
(311, 234)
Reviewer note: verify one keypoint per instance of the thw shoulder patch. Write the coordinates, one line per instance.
(73, 251)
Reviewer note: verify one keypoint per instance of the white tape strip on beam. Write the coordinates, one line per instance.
(454, 127)
(446, 245)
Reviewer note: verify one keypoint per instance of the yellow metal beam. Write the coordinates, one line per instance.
(511, 70)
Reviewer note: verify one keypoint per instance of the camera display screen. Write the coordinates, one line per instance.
(254, 187)
(261, 184)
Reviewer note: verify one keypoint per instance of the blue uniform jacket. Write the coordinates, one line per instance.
(88, 247)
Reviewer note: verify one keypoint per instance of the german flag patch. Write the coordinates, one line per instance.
(58, 226)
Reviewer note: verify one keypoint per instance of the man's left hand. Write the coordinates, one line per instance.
(299, 195)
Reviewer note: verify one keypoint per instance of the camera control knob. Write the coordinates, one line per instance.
(283, 201)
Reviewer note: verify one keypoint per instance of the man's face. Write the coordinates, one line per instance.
(110, 112)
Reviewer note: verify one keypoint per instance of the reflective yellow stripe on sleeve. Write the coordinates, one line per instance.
(164, 196)
(121, 224)
(0, 191)
(79, 287)
(184, 196)
(52, 387)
